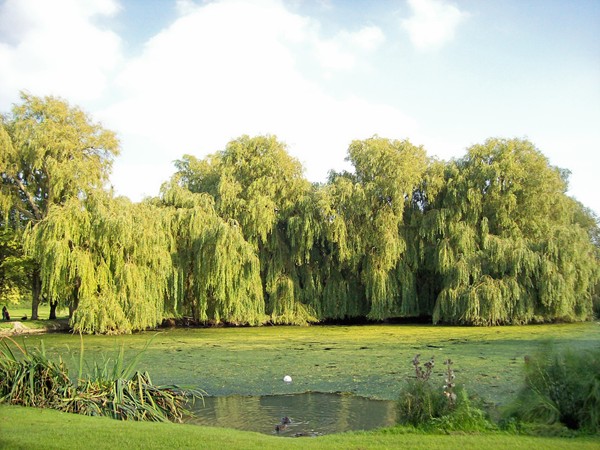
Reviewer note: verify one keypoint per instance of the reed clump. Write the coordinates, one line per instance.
(561, 388)
(30, 378)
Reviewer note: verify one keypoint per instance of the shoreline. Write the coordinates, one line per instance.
(19, 328)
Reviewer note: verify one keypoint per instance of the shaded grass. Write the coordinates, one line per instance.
(28, 428)
(24, 309)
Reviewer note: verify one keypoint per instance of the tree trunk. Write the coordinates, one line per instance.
(53, 305)
(36, 290)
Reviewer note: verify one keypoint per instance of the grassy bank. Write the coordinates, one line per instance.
(367, 360)
(28, 428)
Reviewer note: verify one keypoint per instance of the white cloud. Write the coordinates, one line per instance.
(220, 70)
(367, 38)
(346, 48)
(56, 48)
(433, 23)
(233, 67)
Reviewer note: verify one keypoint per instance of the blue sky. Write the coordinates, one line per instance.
(177, 77)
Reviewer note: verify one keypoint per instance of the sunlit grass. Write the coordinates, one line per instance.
(29, 428)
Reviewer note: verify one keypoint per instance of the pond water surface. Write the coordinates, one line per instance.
(310, 414)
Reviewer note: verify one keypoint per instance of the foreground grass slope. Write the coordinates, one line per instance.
(29, 428)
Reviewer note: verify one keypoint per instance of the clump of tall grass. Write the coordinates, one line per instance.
(423, 404)
(30, 378)
(560, 387)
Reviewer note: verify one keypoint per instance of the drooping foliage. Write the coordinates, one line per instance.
(50, 153)
(215, 274)
(242, 237)
(508, 247)
(106, 259)
(14, 267)
(257, 184)
(487, 239)
(372, 241)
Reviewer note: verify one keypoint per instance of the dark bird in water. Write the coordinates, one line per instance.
(285, 421)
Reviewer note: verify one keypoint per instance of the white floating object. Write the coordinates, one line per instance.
(287, 379)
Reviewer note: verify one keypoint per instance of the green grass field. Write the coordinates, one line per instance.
(370, 360)
(28, 428)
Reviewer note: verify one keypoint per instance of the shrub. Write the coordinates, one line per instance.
(463, 417)
(560, 387)
(118, 391)
(446, 408)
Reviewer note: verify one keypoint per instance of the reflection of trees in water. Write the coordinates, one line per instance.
(312, 412)
(235, 411)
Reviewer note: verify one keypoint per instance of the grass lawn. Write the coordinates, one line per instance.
(370, 360)
(29, 428)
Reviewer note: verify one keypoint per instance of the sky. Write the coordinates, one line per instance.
(186, 77)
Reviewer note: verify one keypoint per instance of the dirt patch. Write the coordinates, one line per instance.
(19, 328)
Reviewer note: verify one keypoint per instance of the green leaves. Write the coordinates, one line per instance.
(52, 152)
(511, 251)
(242, 237)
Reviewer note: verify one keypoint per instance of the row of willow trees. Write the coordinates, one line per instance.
(242, 237)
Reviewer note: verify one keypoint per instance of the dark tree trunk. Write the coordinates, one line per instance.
(36, 291)
(53, 305)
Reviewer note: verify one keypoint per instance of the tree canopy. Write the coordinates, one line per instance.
(50, 153)
(508, 247)
(240, 236)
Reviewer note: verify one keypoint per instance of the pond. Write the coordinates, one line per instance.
(310, 414)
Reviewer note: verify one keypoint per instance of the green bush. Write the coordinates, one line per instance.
(438, 408)
(419, 402)
(463, 417)
(560, 387)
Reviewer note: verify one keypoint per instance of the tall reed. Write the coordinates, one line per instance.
(560, 387)
(113, 389)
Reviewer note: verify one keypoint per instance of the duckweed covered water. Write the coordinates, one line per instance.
(310, 414)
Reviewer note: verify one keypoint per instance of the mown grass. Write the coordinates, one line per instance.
(28, 428)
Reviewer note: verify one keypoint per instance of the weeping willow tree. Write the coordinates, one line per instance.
(507, 243)
(50, 153)
(107, 259)
(216, 273)
(373, 245)
(14, 266)
(257, 184)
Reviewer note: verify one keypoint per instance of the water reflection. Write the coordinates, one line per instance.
(310, 414)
